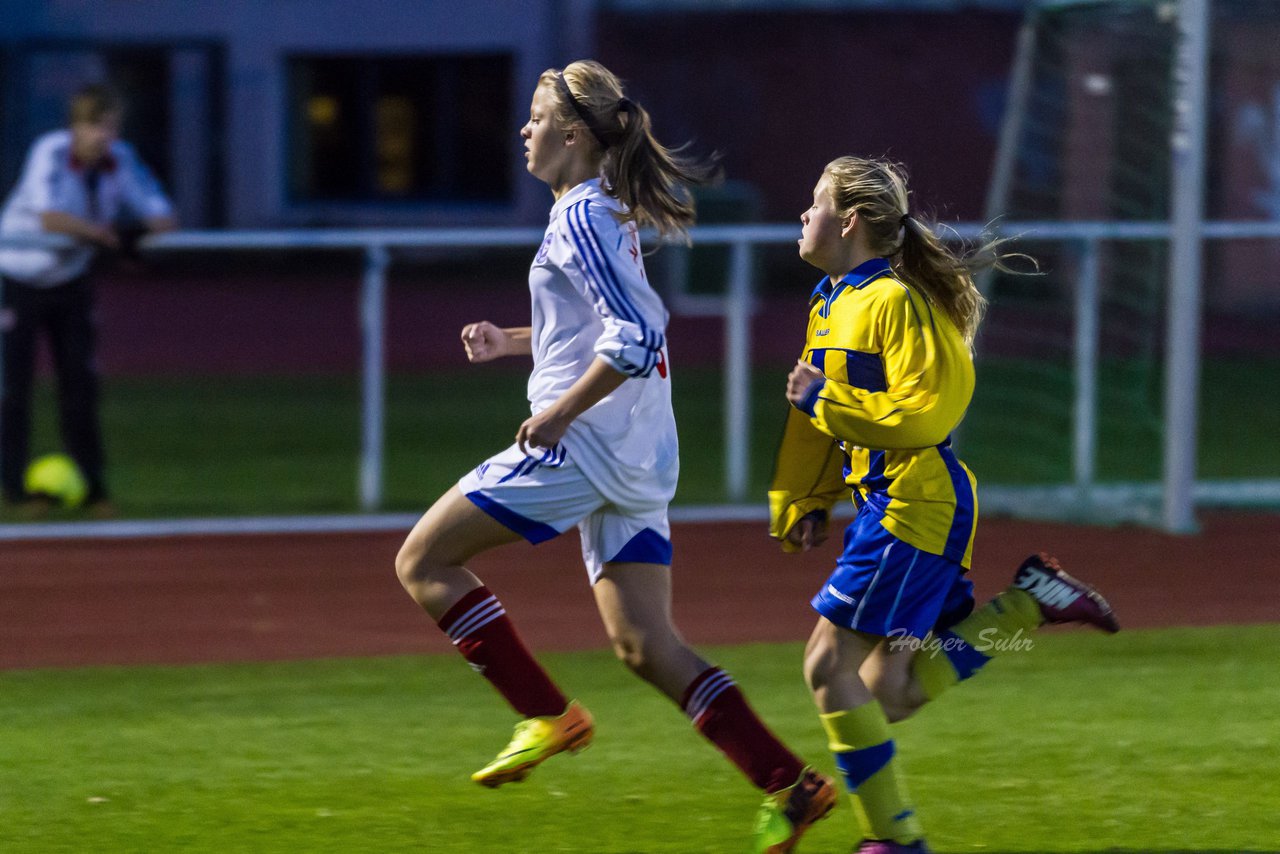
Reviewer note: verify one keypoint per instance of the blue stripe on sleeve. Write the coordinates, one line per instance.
(810, 401)
(610, 274)
(912, 303)
(590, 261)
(605, 283)
(659, 341)
(588, 245)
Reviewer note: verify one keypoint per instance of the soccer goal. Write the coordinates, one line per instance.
(1141, 152)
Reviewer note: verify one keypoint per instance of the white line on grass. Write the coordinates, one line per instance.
(1110, 503)
(350, 523)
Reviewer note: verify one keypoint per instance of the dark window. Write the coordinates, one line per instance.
(142, 78)
(401, 128)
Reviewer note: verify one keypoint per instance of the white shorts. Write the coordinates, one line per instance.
(544, 494)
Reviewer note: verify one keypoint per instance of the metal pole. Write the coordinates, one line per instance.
(2, 336)
(1011, 122)
(737, 372)
(1015, 113)
(373, 297)
(1182, 356)
(1087, 311)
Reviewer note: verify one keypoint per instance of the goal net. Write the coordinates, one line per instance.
(1071, 413)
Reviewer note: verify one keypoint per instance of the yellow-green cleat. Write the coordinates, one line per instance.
(537, 740)
(786, 815)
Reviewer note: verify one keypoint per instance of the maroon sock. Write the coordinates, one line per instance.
(478, 626)
(720, 712)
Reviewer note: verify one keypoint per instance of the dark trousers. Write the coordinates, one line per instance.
(65, 314)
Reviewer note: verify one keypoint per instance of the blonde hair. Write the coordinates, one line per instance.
(876, 190)
(650, 179)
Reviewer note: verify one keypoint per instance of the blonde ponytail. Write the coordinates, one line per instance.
(651, 180)
(877, 191)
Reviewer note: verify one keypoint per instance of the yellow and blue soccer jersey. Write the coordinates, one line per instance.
(898, 378)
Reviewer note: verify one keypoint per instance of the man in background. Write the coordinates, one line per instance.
(76, 182)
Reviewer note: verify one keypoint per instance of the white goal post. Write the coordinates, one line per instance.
(1180, 30)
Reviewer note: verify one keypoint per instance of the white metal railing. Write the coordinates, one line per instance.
(735, 307)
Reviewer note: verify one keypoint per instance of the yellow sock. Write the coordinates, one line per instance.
(859, 738)
(961, 651)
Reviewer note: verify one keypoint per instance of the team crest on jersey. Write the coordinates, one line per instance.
(544, 248)
(662, 365)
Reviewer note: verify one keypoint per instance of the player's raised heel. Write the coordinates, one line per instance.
(535, 741)
(1063, 599)
(785, 815)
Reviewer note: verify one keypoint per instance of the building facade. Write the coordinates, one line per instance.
(297, 112)
(404, 112)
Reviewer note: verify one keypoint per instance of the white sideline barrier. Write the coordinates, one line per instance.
(736, 308)
(1023, 502)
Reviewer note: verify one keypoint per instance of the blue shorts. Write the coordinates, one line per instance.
(883, 586)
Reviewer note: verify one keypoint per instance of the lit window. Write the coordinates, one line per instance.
(433, 128)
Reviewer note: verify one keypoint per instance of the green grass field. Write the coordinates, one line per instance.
(280, 445)
(1150, 741)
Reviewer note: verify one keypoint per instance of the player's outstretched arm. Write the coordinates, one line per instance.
(808, 479)
(546, 428)
(484, 342)
(60, 222)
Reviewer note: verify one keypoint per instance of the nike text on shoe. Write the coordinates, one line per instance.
(535, 741)
(1063, 599)
(785, 815)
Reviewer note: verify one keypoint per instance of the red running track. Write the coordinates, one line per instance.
(246, 598)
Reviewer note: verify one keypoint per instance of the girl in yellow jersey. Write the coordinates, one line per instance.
(886, 376)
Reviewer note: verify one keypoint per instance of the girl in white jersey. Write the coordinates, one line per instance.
(598, 452)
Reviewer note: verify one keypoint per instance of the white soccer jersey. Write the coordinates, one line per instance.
(52, 181)
(591, 299)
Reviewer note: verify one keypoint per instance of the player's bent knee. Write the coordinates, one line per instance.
(417, 560)
(631, 653)
(821, 662)
(893, 691)
(633, 650)
(431, 544)
(409, 566)
(816, 676)
(648, 655)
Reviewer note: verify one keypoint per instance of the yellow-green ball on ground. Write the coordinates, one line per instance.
(56, 476)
